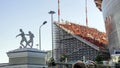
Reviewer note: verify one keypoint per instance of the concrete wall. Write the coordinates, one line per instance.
(27, 60)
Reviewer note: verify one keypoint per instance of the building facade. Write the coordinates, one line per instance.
(111, 15)
(78, 43)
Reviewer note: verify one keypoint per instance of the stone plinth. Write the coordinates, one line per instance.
(28, 57)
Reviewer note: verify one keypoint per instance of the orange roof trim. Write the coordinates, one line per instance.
(91, 34)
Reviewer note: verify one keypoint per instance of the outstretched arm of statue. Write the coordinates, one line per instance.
(18, 35)
(27, 34)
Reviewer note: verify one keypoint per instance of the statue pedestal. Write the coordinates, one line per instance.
(27, 58)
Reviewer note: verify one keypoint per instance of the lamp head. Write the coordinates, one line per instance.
(44, 22)
(51, 12)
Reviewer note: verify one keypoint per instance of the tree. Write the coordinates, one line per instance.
(51, 62)
(63, 57)
(99, 59)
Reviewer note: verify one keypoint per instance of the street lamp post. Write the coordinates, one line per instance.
(40, 34)
(52, 12)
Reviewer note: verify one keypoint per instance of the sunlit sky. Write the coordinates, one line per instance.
(30, 14)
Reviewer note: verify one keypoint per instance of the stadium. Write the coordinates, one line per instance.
(78, 42)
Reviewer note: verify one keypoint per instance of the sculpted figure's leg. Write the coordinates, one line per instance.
(28, 44)
(21, 43)
(31, 44)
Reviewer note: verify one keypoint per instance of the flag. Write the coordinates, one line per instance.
(58, 10)
(86, 12)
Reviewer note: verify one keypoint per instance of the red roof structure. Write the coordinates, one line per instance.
(90, 34)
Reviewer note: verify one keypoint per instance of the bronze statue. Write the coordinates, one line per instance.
(22, 34)
(31, 36)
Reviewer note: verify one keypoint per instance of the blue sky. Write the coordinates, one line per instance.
(30, 14)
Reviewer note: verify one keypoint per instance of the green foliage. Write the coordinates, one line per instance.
(51, 62)
(63, 57)
(99, 59)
